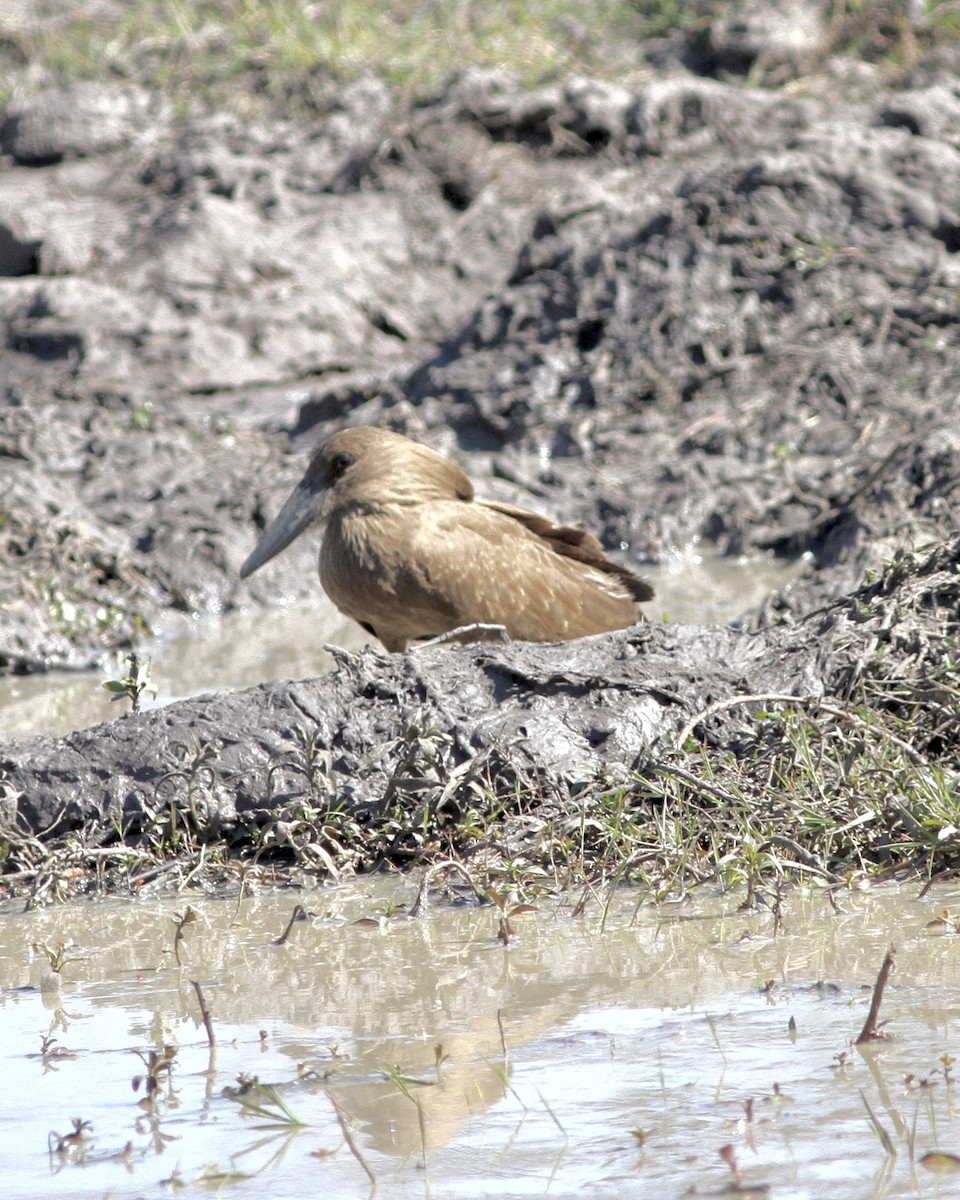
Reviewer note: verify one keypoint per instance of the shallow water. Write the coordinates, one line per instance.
(238, 650)
(245, 648)
(658, 1021)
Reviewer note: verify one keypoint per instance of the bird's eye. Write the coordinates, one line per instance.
(339, 464)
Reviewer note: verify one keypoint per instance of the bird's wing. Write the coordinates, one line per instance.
(545, 528)
(493, 566)
(574, 543)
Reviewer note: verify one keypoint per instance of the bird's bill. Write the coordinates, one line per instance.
(302, 509)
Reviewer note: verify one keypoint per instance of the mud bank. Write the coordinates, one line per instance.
(399, 758)
(690, 310)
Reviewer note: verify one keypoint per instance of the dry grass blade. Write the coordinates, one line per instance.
(348, 1138)
(885, 1139)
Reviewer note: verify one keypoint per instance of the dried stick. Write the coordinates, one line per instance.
(348, 1138)
(871, 1029)
(208, 1024)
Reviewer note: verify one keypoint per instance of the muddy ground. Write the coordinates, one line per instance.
(696, 310)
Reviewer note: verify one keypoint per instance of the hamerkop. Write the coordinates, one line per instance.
(409, 553)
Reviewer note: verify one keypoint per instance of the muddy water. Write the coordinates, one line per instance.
(238, 650)
(243, 649)
(634, 1050)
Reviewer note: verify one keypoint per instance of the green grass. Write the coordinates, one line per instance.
(289, 55)
(255, 50)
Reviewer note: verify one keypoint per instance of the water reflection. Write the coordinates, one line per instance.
(574, 1060)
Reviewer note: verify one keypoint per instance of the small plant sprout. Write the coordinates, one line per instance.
(134, 684)
(439, 1058)
(181, 921)
(509, 907)
(729, 1155)
(159, 1066)
(72, 1143)
(262, 1100)
(405, 1083)
(51, 1052)
(56, 957)
(946, 923)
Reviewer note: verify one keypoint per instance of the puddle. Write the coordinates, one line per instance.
(633, 1051)
(243, 649)
(238, 650)
(696, 587)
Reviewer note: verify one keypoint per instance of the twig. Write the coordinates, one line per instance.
(503, 1036)
(803, 857)
(719, 706)
(708, 789)
(208, 1024)
(871, 1030)
(162, 869)
(854, 719)
(418, 904)
(774, 698)
(95, 852)
(299, 914)
(435, 869)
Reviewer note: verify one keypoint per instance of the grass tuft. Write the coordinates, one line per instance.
(220, 53)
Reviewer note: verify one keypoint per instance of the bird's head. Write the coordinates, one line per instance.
(360, 470)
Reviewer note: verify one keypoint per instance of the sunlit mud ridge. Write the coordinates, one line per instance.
(830, 745)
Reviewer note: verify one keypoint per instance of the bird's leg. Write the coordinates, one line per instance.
(466, 635)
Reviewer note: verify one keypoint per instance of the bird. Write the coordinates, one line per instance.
(411, 554)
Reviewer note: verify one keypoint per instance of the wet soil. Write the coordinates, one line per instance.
(697, 311)
(694, 311)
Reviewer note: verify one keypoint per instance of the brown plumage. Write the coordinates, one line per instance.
(409, 553)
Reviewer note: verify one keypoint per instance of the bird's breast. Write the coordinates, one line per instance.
(358, 557)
